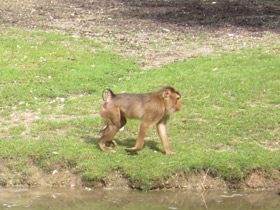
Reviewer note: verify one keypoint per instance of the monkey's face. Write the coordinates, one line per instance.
(175, 104)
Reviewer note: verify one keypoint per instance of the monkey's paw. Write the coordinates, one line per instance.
(132, 149)
(106, 149)
(171, 153)
(113, 142)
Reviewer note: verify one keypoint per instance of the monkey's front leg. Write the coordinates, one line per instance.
(140, 138)
(162, 132)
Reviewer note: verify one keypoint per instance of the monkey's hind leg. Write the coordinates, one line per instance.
(113, 142)
(108, 134)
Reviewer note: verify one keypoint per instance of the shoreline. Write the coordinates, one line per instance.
(201, 181)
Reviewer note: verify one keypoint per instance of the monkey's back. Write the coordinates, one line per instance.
(130, 104)
(138, 106)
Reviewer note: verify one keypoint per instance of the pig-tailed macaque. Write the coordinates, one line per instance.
(151, 108)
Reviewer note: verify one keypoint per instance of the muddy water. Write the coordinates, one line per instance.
(133, 200)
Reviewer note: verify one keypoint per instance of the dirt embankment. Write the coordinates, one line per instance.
(63, 176)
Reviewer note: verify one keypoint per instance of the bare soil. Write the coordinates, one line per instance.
(64, 176)
(156, 32)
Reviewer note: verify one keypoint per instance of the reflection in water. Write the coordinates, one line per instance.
(122, 199)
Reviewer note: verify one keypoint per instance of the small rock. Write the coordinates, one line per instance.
(215, 69)
(42, 59)
(54, 172)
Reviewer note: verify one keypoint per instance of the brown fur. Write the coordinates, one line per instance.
(151, 108)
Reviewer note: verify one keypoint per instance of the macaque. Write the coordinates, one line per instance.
(151, 108)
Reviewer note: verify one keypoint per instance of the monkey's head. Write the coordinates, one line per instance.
(172, 99)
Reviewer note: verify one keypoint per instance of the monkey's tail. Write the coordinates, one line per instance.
(107, 95)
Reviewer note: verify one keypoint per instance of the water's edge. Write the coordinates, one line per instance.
(59, 198)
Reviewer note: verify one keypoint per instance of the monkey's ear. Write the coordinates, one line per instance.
(166, 93)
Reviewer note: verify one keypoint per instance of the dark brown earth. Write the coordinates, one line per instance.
(156, 32)
(62, 176)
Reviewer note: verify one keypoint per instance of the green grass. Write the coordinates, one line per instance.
(50, 90)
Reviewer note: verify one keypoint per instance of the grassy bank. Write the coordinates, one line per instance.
(51, 87)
